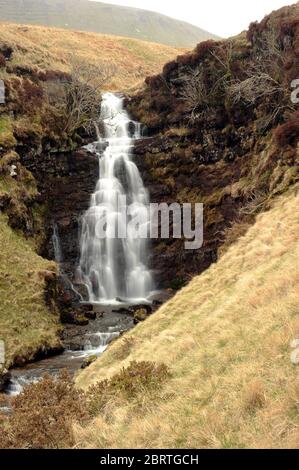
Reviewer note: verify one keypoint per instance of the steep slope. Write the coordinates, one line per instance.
(29, 325)
(52, 49)
(223, 132)
(103, 18)
(226, 339)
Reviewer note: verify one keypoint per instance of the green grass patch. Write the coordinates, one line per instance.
(27, 325)
(7, 139)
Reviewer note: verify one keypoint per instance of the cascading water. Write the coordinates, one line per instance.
(56, 245)
(114, 268)
(111, 268)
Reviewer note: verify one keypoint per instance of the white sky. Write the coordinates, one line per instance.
(222, 17)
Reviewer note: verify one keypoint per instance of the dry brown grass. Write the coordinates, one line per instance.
(51, 48)
(226, 339)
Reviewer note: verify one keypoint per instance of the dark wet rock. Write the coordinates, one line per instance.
(140, 315)
(65, 182)
(135, 308)
(90, 315)
(88, 361)
(5, 377)
(66, 296)
(121, 310)
(73, 318)
(81, 289)
(77, 337)
(81, 320)
(67, 317)
(160, 298)
(42, 353)
(84, 307)
(6, 51)
(77, 343)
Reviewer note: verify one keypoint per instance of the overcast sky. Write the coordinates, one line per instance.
(222, 17)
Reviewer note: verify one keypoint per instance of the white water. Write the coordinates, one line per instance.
(95, 344)
(115, 268)
(56, 245)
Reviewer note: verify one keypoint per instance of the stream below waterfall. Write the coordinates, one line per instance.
(80, 343)
(112, 269)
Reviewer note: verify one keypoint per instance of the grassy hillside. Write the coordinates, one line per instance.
(51, 49)
(226, 339)
(103, 18)
(28, 326)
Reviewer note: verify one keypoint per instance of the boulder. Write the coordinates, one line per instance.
(146, 307)
(140, 315)
(89, 360)
(81, 320)
(91, 315)
(5, 377)
(73, 318)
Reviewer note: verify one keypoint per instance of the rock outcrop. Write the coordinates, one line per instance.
(223, 131)
(65, 182)
(5, 377)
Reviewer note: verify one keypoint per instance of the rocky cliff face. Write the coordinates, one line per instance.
(222, 131)
(65, 182)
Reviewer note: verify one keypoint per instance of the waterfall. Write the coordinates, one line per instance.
(56, 245)
(115, 268)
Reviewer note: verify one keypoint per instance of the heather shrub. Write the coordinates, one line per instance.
(130, 383)
(24, 95)
(170, 67)
(48, 75)
(288, 133)
(155, 82)
(2, 60)
(43, 414)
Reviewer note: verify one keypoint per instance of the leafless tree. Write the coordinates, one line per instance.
(77, 97)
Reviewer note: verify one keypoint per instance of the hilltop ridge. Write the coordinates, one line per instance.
(104, 18)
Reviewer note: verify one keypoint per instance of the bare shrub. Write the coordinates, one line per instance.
(264, 81)
(203, 84)
(193, 91)
(76, 97)
(223, 53)
(255, 203)
(257, 86)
